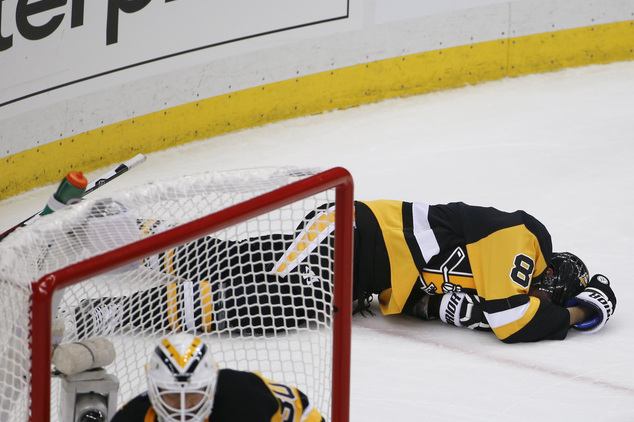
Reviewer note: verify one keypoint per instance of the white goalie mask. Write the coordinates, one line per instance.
(182, 377)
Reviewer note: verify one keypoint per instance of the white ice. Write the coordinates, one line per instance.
(557, 145)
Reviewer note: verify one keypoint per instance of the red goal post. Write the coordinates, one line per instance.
(337, 178)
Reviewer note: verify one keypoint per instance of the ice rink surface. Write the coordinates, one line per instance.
(558, 145)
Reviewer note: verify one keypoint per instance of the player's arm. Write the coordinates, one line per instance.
(587, 312)
(579, 314)
(516, 315)
(576, 313)
(543, 320)
(467, 310)
(456, 308)
(591, 309)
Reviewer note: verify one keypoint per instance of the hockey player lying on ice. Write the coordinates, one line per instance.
(469, 266)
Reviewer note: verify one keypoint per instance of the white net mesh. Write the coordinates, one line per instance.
(259, 292)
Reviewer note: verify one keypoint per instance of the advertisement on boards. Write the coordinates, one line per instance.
(46, 45)
(397, 10)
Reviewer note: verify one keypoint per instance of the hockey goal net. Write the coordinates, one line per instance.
(249, 260)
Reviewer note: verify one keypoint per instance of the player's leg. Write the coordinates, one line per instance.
(103, 316)
(259, 299)
(220, 284)
(176, 303)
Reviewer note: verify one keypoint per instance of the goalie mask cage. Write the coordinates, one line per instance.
(188, 254)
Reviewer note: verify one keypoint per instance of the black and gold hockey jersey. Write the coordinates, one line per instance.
(239, 396)
(402, 251)
(406, 249)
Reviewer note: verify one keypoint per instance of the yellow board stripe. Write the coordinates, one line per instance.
(340, 88)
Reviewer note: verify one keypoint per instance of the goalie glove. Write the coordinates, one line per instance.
(598, 296)
(463, 310)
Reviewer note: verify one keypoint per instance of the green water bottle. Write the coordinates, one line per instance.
(69, 192)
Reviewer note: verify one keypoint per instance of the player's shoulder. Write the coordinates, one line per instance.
(232, 379)
(245, 385)
(134, 410)
(242, 396)
(479, 222)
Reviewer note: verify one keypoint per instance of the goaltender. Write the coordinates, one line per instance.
(185, 384)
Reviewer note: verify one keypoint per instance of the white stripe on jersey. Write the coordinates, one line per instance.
(422, 231)
(498, 319)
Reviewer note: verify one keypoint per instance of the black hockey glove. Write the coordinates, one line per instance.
(463, 310)
(599, 296)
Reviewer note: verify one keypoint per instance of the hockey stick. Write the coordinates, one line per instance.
(113, 174)
(95, 184)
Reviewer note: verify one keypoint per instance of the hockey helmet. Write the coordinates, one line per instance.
(567, 278)
(182, 377)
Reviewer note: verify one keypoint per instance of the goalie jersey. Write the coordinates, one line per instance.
(407, 249)
(239, 396)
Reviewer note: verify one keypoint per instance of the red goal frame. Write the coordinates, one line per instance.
(337, 178)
